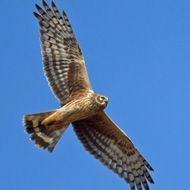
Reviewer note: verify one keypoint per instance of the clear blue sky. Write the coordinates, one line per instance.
(138, 54)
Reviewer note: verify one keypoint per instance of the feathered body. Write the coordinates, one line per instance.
(66, 73)
(80, 106)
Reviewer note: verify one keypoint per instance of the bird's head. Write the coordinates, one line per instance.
(102, 100)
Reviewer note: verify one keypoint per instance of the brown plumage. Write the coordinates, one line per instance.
(66, 73)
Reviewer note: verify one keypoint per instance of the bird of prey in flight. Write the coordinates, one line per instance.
(66, 73)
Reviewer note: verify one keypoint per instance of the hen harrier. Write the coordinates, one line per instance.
(66, 73)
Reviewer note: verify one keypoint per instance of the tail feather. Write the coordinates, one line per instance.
(57, 135)
(40, 134)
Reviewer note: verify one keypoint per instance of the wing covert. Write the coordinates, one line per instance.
(63, 62)
(102, 138)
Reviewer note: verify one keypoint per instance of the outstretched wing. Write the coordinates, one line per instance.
(63, 62)
(102, 138)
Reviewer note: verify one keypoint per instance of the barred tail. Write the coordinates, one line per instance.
(43, 139)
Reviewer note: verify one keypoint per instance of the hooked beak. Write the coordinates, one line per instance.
(106, 100)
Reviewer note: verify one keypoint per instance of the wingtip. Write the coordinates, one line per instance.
(150, 167)
(44, 3)
(63, 12)
(37, 6)
(35, 14)
(52, 3)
